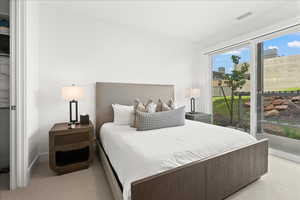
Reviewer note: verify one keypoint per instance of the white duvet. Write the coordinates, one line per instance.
(138, 154)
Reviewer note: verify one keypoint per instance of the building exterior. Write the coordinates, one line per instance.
(218, 77)
(221, 70)
(270, 53)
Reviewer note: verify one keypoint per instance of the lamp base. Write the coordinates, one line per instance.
(193, 105)
(73, 104)
(70, 123)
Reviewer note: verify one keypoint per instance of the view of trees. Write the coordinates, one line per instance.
(236, 80)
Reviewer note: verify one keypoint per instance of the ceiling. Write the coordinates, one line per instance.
(204, 22)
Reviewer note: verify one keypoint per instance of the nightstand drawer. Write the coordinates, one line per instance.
(60, 140)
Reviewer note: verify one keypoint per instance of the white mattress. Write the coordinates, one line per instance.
(138, 154)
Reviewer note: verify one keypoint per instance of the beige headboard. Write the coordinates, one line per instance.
(125, 94)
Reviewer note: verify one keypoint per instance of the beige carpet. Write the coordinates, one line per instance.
(282, 182)
(89, 184)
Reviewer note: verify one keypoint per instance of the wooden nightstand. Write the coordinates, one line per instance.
(199, 116)
(70, 149)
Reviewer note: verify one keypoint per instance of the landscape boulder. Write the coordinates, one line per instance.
(278, 102)
(269, 107)
(272, 113)
(297, 98)
(281, 107)
(286, 102)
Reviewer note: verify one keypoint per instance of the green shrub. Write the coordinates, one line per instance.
(291, 132)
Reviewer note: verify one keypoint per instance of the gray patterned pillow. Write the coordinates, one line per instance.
(150, 107)
(150, 121)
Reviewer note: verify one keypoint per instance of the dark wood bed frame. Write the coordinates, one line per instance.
(213, 178)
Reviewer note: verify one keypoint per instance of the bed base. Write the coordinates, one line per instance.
(214, 178)
(110, 176)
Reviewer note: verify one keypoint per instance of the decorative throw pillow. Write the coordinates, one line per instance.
(165, 107)
(123, 115)
(162, 106)
(150, 121)
(150, 107)
(171, 104)
(159, 105)
(140, 107)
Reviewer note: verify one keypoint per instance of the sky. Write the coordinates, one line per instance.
(286, 45)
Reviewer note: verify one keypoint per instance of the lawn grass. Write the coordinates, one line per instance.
(288, 89)
(221, 112)
(229, 97)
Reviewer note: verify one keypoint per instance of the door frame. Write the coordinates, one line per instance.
(18, 114)
(253, 89)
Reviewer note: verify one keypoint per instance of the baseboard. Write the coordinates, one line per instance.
(44, 156)
(41, 157)
(32, 165)
(284, 155)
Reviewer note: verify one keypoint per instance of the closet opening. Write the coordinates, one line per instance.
(4, 95)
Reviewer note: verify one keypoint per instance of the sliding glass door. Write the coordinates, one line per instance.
(279, 92)
(271, 85)
(231, 88)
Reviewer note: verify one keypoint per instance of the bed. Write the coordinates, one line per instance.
(202, 161)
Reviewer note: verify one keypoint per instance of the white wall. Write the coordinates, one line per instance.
(32, 74)
(74, 47)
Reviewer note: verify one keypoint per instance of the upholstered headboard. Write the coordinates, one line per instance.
(125, 94)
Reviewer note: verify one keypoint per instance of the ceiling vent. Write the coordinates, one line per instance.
(243, 16)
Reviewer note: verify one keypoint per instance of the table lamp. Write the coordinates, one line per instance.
(72, 94)
(192, 93)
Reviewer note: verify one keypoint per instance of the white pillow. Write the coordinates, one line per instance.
(123, 115)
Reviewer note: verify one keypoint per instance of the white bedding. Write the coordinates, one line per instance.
(138, 154)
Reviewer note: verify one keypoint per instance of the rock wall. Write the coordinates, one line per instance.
(282, 108)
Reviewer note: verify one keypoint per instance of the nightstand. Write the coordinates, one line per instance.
(70, 149)
(199, 116)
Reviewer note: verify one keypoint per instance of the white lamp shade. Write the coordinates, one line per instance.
(72, 93)
(192, 92)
